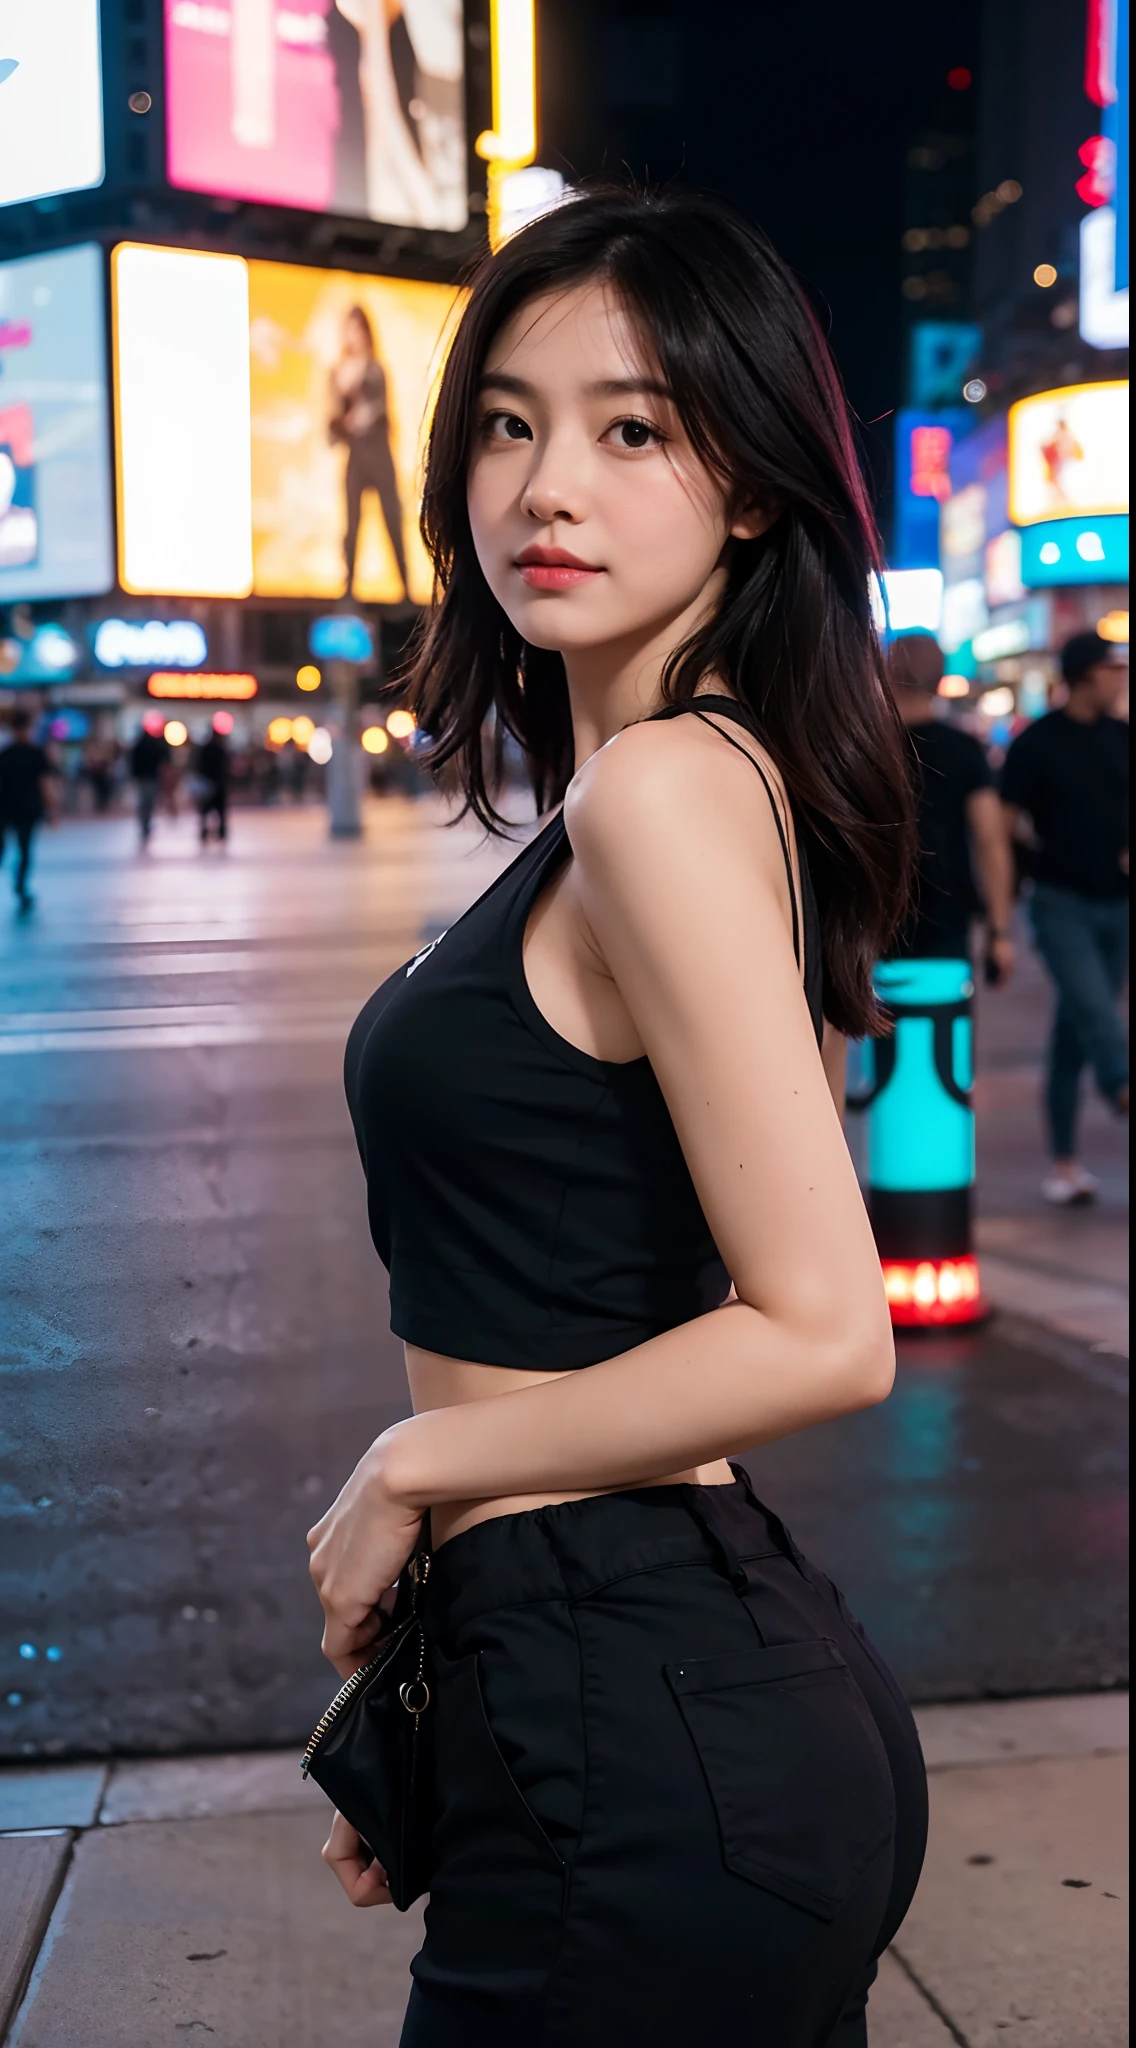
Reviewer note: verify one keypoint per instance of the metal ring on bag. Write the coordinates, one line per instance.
(415, 1695)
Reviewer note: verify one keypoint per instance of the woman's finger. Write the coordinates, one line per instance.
(364, 1880)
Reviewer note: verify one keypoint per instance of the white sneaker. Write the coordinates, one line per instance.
(1074, 1191)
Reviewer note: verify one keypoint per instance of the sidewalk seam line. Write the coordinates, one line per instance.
(940, 2011)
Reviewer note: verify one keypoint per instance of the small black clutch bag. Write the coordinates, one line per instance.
(371, 1750)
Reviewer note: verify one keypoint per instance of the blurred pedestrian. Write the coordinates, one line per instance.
(211, 784)
(26, 797)
(149, 755)
(1066, 782)
(966, 867)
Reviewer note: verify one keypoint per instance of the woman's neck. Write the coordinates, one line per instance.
(620, 682)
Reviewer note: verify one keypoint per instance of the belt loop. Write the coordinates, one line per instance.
(718, 1519)
(777, 1529)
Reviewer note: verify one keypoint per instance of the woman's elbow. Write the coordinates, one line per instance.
(865, 1363)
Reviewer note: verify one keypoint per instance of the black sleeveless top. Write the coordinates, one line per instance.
(531, 1204)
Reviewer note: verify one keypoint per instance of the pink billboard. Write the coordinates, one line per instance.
(340, 106)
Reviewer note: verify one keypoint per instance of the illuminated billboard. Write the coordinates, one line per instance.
(340, 106)
(270, 425)
(1069, 453)
(51, 100)
(55, 508)
(182, 415)
(344, 369)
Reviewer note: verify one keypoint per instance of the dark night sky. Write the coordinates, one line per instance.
(799, 111)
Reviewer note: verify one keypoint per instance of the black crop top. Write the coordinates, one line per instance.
(531, 1203)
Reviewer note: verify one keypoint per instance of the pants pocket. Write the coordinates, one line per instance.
(795, 1767)
(475, 1778)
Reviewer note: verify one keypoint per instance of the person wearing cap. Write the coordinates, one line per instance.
(965, 861)
(1065, 790)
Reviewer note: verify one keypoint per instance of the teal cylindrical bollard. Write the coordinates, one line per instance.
(921, 1142)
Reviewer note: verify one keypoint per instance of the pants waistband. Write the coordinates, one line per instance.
(572, 1549)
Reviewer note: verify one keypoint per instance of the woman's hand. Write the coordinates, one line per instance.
(357, 1551)
(364, 1881)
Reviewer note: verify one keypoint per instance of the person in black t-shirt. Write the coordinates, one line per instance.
(1066, 779)
(961, 827)
(25, 798)
(148, 756)
(211, 773)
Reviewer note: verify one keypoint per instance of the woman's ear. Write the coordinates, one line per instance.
(751, 521)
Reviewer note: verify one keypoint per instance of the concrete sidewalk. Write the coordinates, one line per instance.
(154, 1902)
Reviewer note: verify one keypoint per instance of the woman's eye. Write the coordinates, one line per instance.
(635, 434)
(506, 426)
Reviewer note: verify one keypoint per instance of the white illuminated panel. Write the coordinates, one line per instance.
(1104, 310)
(51, 102)
(181, 367)
(914, 601)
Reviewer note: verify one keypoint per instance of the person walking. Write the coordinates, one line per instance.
(26, 795)
(1065, 789)
(676, 1796)
(211, 784)
(149, 757)
(966, 863)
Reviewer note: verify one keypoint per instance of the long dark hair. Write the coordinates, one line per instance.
(761, 400)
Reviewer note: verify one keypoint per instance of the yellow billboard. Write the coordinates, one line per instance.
(344, 371)
(1068, 453)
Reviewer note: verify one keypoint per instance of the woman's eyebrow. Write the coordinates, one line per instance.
(606, 387)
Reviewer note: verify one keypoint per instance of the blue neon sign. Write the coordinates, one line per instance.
(1075, 551)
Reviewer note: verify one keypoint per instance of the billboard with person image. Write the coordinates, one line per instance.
(343, 373)
(340, 106)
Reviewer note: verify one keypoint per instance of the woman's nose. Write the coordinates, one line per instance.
(553, 491)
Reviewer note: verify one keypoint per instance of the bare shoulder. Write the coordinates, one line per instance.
(673, 785)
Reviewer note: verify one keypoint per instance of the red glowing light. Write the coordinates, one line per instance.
(931, 462)
(223, 721)
(959, 78)
(154, 722)
(1097, 186)
(930, 1293)
(1100, 55)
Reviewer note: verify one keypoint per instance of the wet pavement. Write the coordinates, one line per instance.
(195, 1346)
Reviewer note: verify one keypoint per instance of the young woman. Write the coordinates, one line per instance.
(679, 1797)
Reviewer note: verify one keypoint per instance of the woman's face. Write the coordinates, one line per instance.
(356, 340)
(593, 519)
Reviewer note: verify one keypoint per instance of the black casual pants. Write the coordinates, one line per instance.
(680, 1799)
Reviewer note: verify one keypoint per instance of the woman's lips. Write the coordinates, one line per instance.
(553, 569)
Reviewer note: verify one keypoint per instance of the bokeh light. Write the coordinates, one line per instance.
(998, 703)
(302, 729)
(223, 723)
(174, 733)
(959, 78)
(954, 686)
(1045, 275)
(374, 740)
(1114, 626)
(154, 723)
(308, 677)
(319, 746)
(401, 724)
(279, 732)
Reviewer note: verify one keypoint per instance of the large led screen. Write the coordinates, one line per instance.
(344, 369)
(341, 106)
(51, 107)
(181, 374)
(1069, 453)
(55, 500)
